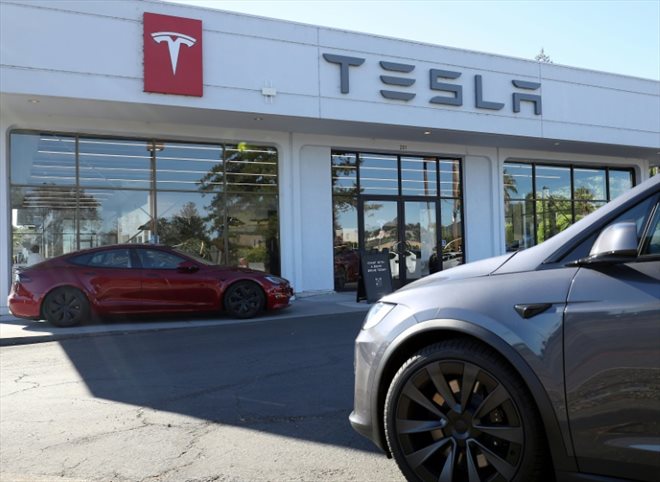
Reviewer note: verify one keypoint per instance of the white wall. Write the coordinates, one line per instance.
(480, 178)
(5, 218)
(93, 50)
(315, 225)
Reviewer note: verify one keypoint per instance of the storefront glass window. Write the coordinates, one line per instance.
(590, 184)
(450, 178)
(553, 215)
(71, 192)
(251, 169)
(553, 182)
(250, 218)
(252, 231)
(185, 222)
(109, 216)
(44, 221)
(345, 219)
(43, 159)
(542, 200)
(418, 176)
(344, 174)
(396, 203)
(451, 233)
(189, 167)
(620, 182)
(583, 208)
(519, 222)
(518, 181)
(114, 163)
(379, 174)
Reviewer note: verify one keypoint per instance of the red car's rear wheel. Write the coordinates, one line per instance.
(66, 307)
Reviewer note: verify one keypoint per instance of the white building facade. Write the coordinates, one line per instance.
(296, 146)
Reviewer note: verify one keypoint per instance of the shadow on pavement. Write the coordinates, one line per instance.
(292, 378)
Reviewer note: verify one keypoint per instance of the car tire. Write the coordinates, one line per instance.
(65, 307)
(455, 411)
(244, 299)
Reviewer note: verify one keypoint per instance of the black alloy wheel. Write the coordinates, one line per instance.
(244, 299)
(66, 307)
(456, 412)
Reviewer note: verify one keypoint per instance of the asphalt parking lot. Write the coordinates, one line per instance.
(194, 400)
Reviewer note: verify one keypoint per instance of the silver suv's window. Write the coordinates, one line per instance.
(652, 241)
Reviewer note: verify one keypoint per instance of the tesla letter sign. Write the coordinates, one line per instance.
(172, 55)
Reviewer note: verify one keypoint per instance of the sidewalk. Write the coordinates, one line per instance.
(14, 331)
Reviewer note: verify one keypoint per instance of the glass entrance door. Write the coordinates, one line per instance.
(407, 229)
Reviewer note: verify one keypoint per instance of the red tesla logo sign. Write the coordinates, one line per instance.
(172, 55)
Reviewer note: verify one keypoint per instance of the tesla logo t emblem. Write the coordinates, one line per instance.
(174, 41)
(169, 68)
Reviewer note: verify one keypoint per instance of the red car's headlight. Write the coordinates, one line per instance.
(21, 277)
(276, 280)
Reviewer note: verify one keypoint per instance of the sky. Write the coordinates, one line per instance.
(615, 36)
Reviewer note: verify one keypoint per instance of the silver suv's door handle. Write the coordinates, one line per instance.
(533, 309)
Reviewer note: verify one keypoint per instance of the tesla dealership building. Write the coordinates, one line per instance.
(289, 147)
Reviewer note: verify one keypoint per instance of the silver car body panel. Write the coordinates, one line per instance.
(612, 339)
(474, 306)
(478, 300)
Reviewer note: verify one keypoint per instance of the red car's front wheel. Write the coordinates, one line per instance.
(244, 299)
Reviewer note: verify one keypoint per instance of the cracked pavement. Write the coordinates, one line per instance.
(255, 402)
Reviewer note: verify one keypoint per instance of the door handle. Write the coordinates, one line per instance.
(532, 309)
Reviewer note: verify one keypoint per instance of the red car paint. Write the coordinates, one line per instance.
(193, 287)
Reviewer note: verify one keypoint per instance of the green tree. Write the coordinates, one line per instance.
(243, 203)
(187, 231)
(543, 58)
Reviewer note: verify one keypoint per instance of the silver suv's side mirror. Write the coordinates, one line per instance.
(616, 244)
(617, 240)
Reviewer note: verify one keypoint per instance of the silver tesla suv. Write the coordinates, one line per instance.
(538, 365)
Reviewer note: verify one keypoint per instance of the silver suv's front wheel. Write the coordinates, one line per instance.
(456, 412)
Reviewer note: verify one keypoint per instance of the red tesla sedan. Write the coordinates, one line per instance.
(140, 279)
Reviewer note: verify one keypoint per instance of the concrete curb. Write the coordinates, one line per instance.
(15, 331)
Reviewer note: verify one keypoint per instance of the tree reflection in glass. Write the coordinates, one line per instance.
(244, 212)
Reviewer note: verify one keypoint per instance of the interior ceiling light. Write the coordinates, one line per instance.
(33, 101)
(258, 118)
(426, 133)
